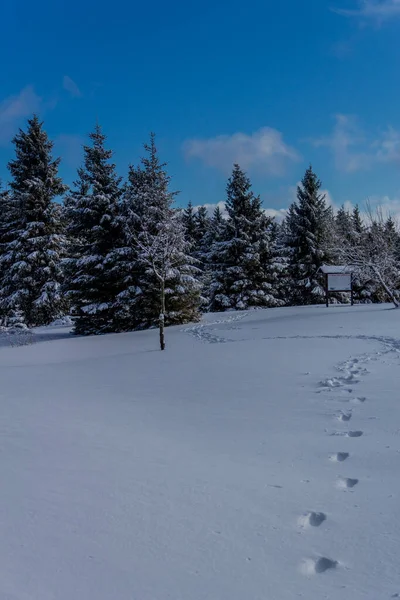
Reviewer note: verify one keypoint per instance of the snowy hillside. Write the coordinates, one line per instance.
(256, 459)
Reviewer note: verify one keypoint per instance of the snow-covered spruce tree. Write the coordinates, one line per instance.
(6, 225)
(93, 269)
(197, 225)
(214, 235)
(202, 224)
(278, 263)
(189, 223)
(131, 214)
(151, 222)
(358, 225)
(344, 226)
(34, 241)
(241, 261)
(309, 227)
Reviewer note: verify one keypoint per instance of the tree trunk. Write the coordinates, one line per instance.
(162, 317)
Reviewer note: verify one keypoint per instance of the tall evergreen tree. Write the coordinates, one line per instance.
(33, 238)
(344, 225)
(242, 259)
(151, 218)
(309, 228)
(202, 227)
(189, 223)
(94, 275)
(358, 226)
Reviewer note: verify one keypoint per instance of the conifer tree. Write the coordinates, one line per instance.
(33, 238)
(242, 259)
(309, 228)
(358, 226)
(94, 275)
(344, 225)
(151, 215)
(189, 222)
(202, 226)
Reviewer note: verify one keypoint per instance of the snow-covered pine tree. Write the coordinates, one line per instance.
(278, 265)
(35, 243)
(189, 222)
(358, 225)
(309, 227)
(241, 261)
(344, 226)
(5, 219)
(150, 216)
(202, 224)
(130, 217)
(214, 234)
(93, 269)
(6, 224)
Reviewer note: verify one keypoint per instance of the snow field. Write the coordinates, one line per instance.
(256, 458)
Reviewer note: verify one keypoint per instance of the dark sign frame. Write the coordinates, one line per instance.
(328, 291)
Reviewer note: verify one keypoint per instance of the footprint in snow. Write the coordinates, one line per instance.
(313, 519)
(346, 483)
(344, 416)
(312, 566)
(339, 457)
(350, 434)
(359, 400)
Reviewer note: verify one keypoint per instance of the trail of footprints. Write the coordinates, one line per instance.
(352, 371)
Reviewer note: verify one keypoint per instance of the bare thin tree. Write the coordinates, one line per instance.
(374, 256)
(163, 253)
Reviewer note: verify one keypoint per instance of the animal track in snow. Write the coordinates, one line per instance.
(346, 483)
(351, 434)
(337, 382)
(339, 456)
(313, 519)
(355, 434)
(344, 416)
(312, 566)
(202, 331)
(359, 400)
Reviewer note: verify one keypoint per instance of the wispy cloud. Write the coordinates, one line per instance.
(353, 150)
(387, 148)
(264, 151)
(345, 142)
(378, 10)
(71, 87)
(16, 108)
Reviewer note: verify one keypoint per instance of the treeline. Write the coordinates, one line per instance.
(119, 253)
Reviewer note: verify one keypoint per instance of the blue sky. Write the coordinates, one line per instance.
(272, 85)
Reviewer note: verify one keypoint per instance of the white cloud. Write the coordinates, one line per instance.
(16, 108)
(387, 206)
(264, 151)
(344, 143)
(378, 10)
(211, 207)
(71, 87)
(388, 147)
(353, 150)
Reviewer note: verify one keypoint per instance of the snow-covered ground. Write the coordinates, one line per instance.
(256, 459)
